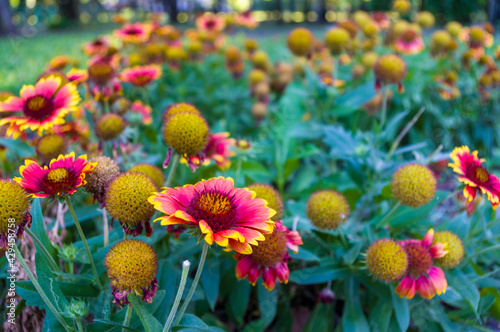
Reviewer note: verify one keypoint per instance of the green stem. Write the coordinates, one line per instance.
(195, 283)
(388, 215)
(105, 227)
(178, 297)
(403, 133)
(383, 115)
(238, 170)
(40, 290)
(479, 253)
(79, 324)
(126, 321)
(173, 167)
(107, 108)
(52, 263)
(84, 240)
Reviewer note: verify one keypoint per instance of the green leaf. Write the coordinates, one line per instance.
(353, 319)
(380, 317)
(459, 281)
(38, 228)
(387, 192)
(321, 319)
(148, 321)
(238, 300)
(319, 274)
(268, 303)
(19, 147)
(210, 280)
(402, 311)
(192, 323)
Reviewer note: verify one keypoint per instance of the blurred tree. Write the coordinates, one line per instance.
(171, 6)
(6, 25)
(69, 10)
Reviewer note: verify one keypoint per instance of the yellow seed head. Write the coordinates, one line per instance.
(454, 246)
(271, 196)
(327, 209)
(441, 39)
(386, 260)
(51, 146)
(390, 69)
(109, 126)
(413, 185)
(401, 6)
(454, 28)
(300, 41)
(14, 205)
(179, 108)
(476, 35)
(187, 133)
(251, 45)
(337, 39)
(100, 177)
(425, 19)
(259, 110)
(368, 60)
(256, 76)
(153, 172)
(260, 60)
(233, 54)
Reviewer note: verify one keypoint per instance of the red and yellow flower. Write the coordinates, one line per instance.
(133, 33)
(409, 42)
(269, 258)
(39, 107)
(245, 19)
(422, 276)
(143, 110)
(77, 76)
(218, 149)
(474, 175)
(210, 23)
(217, 211)
(141, 75)
(98, 46)
(63, 176)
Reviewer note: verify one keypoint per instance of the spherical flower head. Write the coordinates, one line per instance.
(63, 176)
(179, 108)
(401, 6)
(413, 185)
(387, 260)
(217, 211)
(127, 201)
(194, 47)
(300, 41)
(425, 19)
(141, 75)
(336, 40)
(476, 36)
(101, 176)
(475, 177)
(454, 247)
(233, 54)
(259, 110)
(256, 76)
(368, 59)
(120, 106)
(399, 27)
(186, 133)
(101, 72)
(441, 39)
(51, 146)
(326, 296)
(389, 69)
(351, 26)
(153, 172)
(454, 28)
(271, 196)
(40, 107)
(14, 212)
(370, 29)
(422, 276)
(260, 60)
(327, 209)
(251, 45)
(269, 257)
(132, 266)
(109, 126)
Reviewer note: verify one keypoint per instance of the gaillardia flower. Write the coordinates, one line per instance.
(300, 41)
(425, 19)
(414, 185)
(132, 266)
(422, 276)
(269, 258)
(389, 69)
(143, 110)
(39, 107)
(133, 33)
(327, 209)
(386, 260)
(100, 177)
(177, 108)
(141, 75)
(232, 217)
(153, 172)
(51, 146)
(454, 247)
(97, 46)
(337, 40)
(271, 196)
(14, 211)
(210, 23)
(187, 134)
(409, 42)
(127, 201)
(474, 175)
(63, 176)
(109, 126)
(218, 149)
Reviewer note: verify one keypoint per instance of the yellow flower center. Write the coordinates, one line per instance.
(481, 174)
(37, 103)
(38, 107)
(215, 208)
(57, 175)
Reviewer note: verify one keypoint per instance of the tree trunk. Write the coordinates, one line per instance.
(172, 9)
(69, 9)
(6, 25)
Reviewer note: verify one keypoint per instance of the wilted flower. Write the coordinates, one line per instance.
(327, 209)
(39, 107)
(63, 176)
(474, 175)
(132, 266)
(14, 212)
(269, 258)
(217, 211)
(422, 276)
(100, 177)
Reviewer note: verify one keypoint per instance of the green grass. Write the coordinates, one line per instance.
(23, 59)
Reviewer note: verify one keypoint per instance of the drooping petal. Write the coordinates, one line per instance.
(243, 267)
(438, 279)
(269, 278)
(438, 250)
(427, 240)
(406, 288)
(425, 287)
